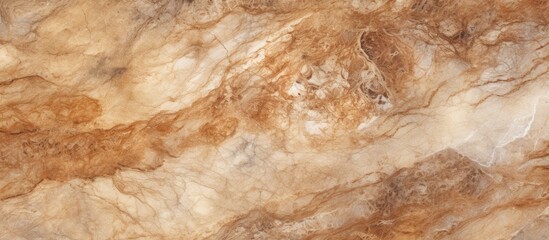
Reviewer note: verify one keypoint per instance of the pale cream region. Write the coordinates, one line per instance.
(274, 119)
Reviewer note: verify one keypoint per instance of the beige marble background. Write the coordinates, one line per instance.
(274, 119)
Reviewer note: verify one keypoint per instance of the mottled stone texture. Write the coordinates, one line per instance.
(274, 119)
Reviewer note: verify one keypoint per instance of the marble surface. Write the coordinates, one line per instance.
(274, 119)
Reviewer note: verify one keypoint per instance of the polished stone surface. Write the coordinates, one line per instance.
(274, 119)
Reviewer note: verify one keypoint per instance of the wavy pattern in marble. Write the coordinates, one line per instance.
(274, 119)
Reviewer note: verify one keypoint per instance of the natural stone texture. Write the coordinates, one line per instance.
(274, 119)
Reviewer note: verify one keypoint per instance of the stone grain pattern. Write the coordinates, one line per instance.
(274, 119)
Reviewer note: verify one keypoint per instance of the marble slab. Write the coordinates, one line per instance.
(274, 119)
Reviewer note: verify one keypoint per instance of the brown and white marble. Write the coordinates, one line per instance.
(274, 119)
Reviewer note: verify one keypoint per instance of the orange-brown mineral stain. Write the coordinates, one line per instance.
(75, 109)
(50, 138)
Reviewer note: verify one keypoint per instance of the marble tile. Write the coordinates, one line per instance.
(274, 119)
